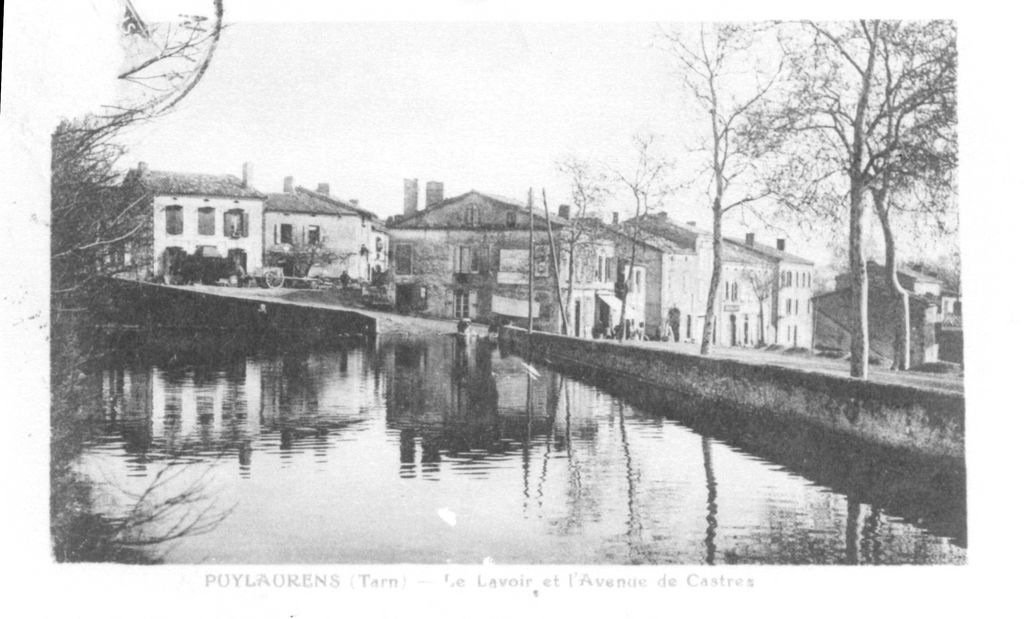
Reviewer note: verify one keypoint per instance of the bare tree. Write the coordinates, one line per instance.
(91, 223)
(711, 61)
(850, 80)
(762, 284)
(589, 190)
(647, 186)
(919, 109)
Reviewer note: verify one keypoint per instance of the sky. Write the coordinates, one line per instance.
(486, 106)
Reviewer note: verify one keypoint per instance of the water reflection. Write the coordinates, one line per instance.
(346, 452)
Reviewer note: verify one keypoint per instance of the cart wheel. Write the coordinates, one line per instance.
(274, 279)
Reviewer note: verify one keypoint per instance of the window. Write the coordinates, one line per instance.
(462, 305)
(312, 235)
(207, 221)
(403, 259)
(637, 278)
(608, 268)
(236, 223)
(174, 221)
(510, 219)
(735, 291)
(465, 260)
(472, 215)
(789, 306)
(285, 235)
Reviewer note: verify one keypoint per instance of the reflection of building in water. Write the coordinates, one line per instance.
(449, 398)
(162, 412)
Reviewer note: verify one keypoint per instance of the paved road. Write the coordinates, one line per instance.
(836, 367)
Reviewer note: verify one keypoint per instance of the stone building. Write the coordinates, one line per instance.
(468, 257)
(188, 213)
(833, 315)
(333, 231)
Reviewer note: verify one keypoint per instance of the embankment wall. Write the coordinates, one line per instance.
(922, 421)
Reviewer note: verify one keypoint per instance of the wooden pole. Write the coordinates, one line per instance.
(554, 262)
(529, 300)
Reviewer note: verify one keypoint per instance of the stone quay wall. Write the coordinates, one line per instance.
(183, 307)
(922, 421)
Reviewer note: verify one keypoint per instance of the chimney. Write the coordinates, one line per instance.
(247, 176)
(662, 215)
(692, 224)
(615, 217)
(433, 194)
(289, 184)
(780, 244)
(750, 239)
(412, 196)
(354, 201)
(563, 211)
(324, 188)
(143, 167)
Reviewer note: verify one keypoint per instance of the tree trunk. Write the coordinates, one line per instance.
(572, 274)
(760, 322)
(901, 348)
(716, 274)
(859, 343)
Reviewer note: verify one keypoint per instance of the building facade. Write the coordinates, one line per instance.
(469, 257)
(763, 294)
(327, 230)
(188, 214)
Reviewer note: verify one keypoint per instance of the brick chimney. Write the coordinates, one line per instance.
(412, 196)
(143, 168)
(563, 211)
(780, 244)
(289, 184)
(324, 188)
(615, 217)
(750, 239)
(247, 175)
(433, 194)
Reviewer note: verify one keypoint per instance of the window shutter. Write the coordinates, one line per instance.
(245, 223)
(277, 234)
(472, 304)
(226, 228)
(449, 303)
(454, 251)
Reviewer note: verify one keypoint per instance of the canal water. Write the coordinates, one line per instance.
(407, 450)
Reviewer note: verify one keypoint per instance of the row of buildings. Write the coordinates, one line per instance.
(468, 256)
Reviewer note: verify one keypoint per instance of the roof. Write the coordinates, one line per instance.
(512, 202)
(304, 200)
(768, 251)
(192, 184)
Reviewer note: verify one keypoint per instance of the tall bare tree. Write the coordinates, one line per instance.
(723, 74)
(762, 284)
(848, 84)
(589, 190)
(919, 108)
(646, 184)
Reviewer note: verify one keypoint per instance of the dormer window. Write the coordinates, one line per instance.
(510, 219)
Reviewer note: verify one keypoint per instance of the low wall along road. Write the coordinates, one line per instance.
(923, 421)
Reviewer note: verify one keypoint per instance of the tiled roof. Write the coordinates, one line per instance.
(517, 204)
(307, 201)
(769, 251)
(190, 184)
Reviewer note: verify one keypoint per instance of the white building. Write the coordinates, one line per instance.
(215, 215)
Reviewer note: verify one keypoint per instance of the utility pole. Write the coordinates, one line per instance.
(529, 300)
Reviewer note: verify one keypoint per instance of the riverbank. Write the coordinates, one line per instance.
(924, 421)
